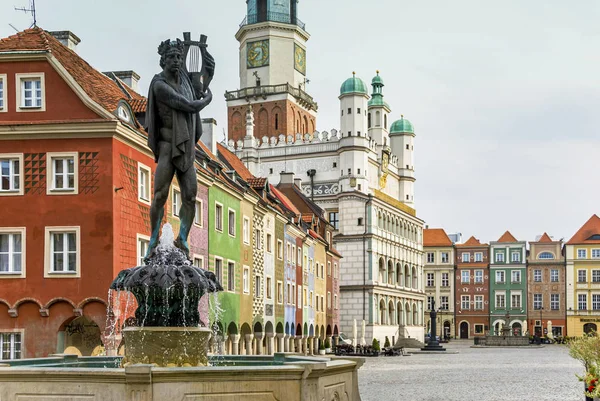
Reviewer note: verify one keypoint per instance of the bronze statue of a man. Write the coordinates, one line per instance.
(175, 99)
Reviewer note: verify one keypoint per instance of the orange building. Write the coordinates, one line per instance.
(74, 195)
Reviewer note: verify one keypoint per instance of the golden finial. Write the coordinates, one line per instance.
(402, 116)
(353, 72)
(377, 72)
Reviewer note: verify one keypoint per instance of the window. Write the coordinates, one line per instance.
(545, 255)
(257, 285)
(430, 280)
(269, 243)
(30, 96)
(465, 302)
(537, 301)
(288, 296)
(288, 252)
(305, 297)
(293, 294)
(63, 257)
(444, 302)
(335, 301)
(358, 110)
(537, 276)
(478, 328)
(12, 247)
(328, 300)
(176, 201)
(334, 164)
(554, 301)
(231, 221)
(595, 253)
(515, 257)
(515, 301)
(582, 301)
(430, 257)
(595, 276)
(63, 173)
(299, 261)
(144, 174)
(445, 257)
(142, 248)
(500, 301)
(581, 253)
(515, 276)
(349, 110)
(465, 277)
(198, 213)
(329, 269)
(479, 276)
(445, 280)
(231, 276)
(429, 302)
(595, 302)
(500, 277)
(478, 257)
(279, 249)
(293, 255)
(269, 288)
(358, 170)
(218, 217)
(3, 92)
(499, 257)
(258, 235)
(11, 176)
(299, 303)
(336, 273)
(322, 304)
(328, 238)
(478, 302)
(360, 221)
(582, 276)
(279, 292)
(554, 276)
(311, 300)
(10, 346)
(199, 262)
(465, 257)
(219, 269)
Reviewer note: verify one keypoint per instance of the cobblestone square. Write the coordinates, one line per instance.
(476, 374)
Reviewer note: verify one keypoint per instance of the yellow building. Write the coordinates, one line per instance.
(583, 279)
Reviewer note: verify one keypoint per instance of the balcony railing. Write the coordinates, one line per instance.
(265, 90)
(275, 17)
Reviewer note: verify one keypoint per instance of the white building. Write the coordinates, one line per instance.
(363, 174)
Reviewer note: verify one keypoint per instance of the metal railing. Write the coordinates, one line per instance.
(264, 90)
(275, 17)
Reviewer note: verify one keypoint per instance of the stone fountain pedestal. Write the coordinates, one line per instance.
(166, 346)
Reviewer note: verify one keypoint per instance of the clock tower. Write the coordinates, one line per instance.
(272, 73)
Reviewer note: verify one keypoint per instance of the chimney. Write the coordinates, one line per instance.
(298, 182)
(286, 178)
(209, 134)
(67, 38)
(131, 78)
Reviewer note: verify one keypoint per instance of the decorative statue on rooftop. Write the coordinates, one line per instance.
(174, 127)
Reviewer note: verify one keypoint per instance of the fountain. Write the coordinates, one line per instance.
(166, 353)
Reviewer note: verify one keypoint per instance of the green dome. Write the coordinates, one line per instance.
(377, 100)
(353, 85)
(401, 126)
(377, 80)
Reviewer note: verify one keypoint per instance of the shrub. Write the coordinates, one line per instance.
(376, 346)
(327, 343)
(387, 342)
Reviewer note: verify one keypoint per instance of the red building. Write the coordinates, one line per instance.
(472, 299)
(75, 193)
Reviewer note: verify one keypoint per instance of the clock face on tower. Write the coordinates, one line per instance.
(299, 59)
(257, 54)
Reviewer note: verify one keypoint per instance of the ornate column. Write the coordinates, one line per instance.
(291, 343)
(249, 338)
(270, 343)
(305, 345)
(280, 337)
(235, 343)
(259, 345)
(285, 344)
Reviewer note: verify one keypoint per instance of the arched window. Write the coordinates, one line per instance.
(276, 121)
(382, 312)
(385, 121)
(391, 313)
(398, 274)
(263, 123)
(390, 272)
(382, 271)
(407, 278)
(546, 255)
(377, 119)
(368, 120)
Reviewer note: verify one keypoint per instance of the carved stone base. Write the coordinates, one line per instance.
(166, 346)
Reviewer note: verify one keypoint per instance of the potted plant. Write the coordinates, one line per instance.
(327, 346)
(586, 349)
(321, 348)
(386, 344)
(376, 347)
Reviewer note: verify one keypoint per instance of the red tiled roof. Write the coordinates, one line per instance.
(98, 86)
(435, 237)
(307, 218)
(207, 151)
(472, 242)
(257, 182)
(315, 235)
(284, 199)
(507, 237)
(545, 238)
(590, 229)
(234, 162)
(138, 105)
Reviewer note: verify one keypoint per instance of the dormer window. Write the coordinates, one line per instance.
(30, 94)
(124, 112)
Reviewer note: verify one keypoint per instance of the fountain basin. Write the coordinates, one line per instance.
(166, 346)
(286, 377)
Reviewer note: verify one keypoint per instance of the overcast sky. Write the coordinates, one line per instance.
(504, 96)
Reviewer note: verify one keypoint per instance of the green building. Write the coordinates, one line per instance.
(508, 285)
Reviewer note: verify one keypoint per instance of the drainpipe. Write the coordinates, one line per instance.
(367, 203)
(311, 173)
